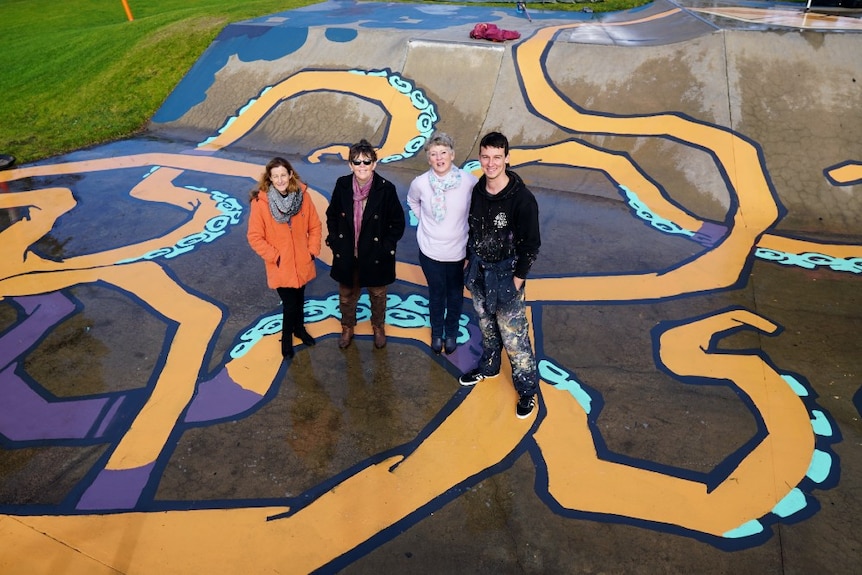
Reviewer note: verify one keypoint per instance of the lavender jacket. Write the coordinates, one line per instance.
(446, 240)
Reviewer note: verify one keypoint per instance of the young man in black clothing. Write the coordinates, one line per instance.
(503, 243)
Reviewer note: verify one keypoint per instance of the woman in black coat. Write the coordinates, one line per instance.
(365, 220)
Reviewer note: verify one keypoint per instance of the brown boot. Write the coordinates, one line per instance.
(346, 336)
(379, 336)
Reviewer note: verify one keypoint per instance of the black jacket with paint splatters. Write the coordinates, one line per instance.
(505, 225)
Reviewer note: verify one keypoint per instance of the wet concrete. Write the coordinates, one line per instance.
(388, 427)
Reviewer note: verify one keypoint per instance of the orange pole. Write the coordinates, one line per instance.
(128, 11)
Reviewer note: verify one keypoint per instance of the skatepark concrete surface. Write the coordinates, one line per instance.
(695, 309)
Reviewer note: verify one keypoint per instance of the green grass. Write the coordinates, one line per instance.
(78, 73)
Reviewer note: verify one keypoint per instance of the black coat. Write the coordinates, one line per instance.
(382, 227)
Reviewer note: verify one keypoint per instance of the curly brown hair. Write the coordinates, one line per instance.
(265, 180)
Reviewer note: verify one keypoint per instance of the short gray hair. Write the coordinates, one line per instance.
(440, 139)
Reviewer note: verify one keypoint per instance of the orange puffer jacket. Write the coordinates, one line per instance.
(288, 250)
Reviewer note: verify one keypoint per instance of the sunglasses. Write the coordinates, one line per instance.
(358, 162)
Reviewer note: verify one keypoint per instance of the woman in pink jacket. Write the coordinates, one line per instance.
(284, 229)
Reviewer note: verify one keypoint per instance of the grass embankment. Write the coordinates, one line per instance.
(78, 73)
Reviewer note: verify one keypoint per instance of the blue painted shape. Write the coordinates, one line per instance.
(214, 228)
(234, 118)
(273, 44)
(265, 326)
(811, 260)
(562, 379)
(795, 385)
(275, 36)
(425, 16)
(747, 529)
(472, 166)
(645, 213)
(820, 424)
(821, 464)
(792, 503)
(341, 34)
(405, 312)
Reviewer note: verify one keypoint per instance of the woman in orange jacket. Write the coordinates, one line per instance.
(284, 229)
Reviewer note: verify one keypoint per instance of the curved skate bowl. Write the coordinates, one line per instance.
(693, 308)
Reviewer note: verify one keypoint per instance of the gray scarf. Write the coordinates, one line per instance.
(284, 207)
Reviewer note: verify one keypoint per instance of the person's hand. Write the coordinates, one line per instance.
(518, 283)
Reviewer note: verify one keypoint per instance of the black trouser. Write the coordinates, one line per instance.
(292, 314)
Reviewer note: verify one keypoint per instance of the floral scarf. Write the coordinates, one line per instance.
(439, 187)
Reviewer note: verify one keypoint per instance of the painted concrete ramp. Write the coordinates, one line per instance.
(695, 309)
(428, 53)
(309, 82)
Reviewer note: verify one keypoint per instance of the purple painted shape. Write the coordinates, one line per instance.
(709, 234)
(109, 416)
(219, 397)
(116, 489)
(43, 312)
(26, 415)
(467, 355)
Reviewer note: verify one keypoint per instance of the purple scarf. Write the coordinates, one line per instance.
(360, 194)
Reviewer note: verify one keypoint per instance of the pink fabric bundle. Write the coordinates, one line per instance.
(492, 32)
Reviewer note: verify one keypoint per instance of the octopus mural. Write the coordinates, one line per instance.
(771, 478)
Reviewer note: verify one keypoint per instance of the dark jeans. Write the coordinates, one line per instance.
(348, 296)
(292, 314)
(445, 294)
